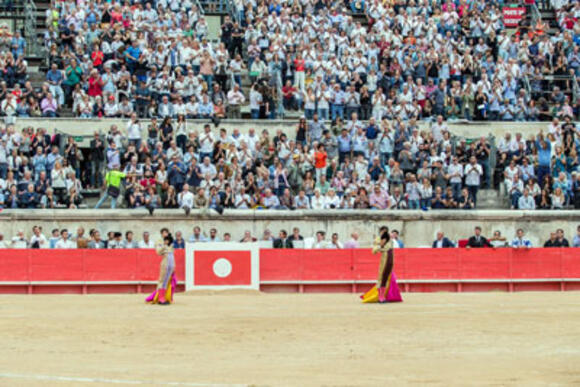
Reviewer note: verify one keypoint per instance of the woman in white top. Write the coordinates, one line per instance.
(181, 132)
(134, 131)
(332, 200)
(255, 102)
(378, 101)
(58, 178)
(558, 199)
(309, 103)
(318, 202)
(426, 193)
(161, 174)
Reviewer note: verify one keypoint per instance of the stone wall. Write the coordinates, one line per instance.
(418, 228)
(86, 127)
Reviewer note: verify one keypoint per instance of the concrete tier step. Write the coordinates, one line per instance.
(491, 199)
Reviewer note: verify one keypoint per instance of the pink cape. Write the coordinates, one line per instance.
(173, 285)
(394, 294)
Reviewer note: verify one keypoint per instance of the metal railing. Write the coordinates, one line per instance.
(575, 89)
(30, 12)
(231, 10)
(535, 14)
(199, 7)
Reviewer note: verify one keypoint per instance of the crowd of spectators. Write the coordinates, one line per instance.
(412, 59)
(63, 239)
(520, 241)
(349, 165)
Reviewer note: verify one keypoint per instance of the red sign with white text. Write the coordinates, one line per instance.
(513, 15)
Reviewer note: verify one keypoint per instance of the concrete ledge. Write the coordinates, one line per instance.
(418, 228)
(86, 127)
(264, 215)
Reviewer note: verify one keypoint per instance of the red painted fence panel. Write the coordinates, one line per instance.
(298, 266)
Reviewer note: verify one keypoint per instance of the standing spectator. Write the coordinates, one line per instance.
(473, 174)
(112, 187)
(235, 100)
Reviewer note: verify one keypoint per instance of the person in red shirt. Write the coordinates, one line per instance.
(289, 92)
(95, 84)
(299, 67)
(320, 157)
(97, 56)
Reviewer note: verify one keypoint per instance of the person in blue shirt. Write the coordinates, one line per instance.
(205, 108)
(132, 56)
(519, 241)
(544, 157)
(179, 242)
(54, 77)
(372, 130)
(344, 145)
(29, 199)
(18, 45)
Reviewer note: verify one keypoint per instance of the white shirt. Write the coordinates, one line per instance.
(526, 203)
(318, 203)
(185, 199)
(455, 169)
(133, 130)
(236, 98)
(473, 174)
(206, 141)
(68, 244)
(147, 245)
(18, 243)
(42, 241)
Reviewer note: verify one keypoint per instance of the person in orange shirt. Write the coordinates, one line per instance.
(320, 157)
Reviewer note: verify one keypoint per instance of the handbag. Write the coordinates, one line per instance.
(113, 191)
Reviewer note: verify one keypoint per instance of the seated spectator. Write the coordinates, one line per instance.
(519, 241)
(478, 240)
(442, 241)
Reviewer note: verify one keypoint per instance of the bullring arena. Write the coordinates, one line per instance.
(241, 193)
(291, 339)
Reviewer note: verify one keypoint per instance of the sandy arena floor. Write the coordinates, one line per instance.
(265, 339)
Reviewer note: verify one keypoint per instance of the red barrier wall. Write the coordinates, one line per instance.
(418, 270)
(423, 269)
(82, 271)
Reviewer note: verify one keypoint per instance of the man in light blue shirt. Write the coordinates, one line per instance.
(520, 242)
(526, 201)
(386, 146)
(338, 98)
(54, 78)
(344, 145)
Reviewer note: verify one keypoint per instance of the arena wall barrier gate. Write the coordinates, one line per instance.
(418, 270)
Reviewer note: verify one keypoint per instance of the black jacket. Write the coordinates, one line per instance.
(482, 242)
(283, 244)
